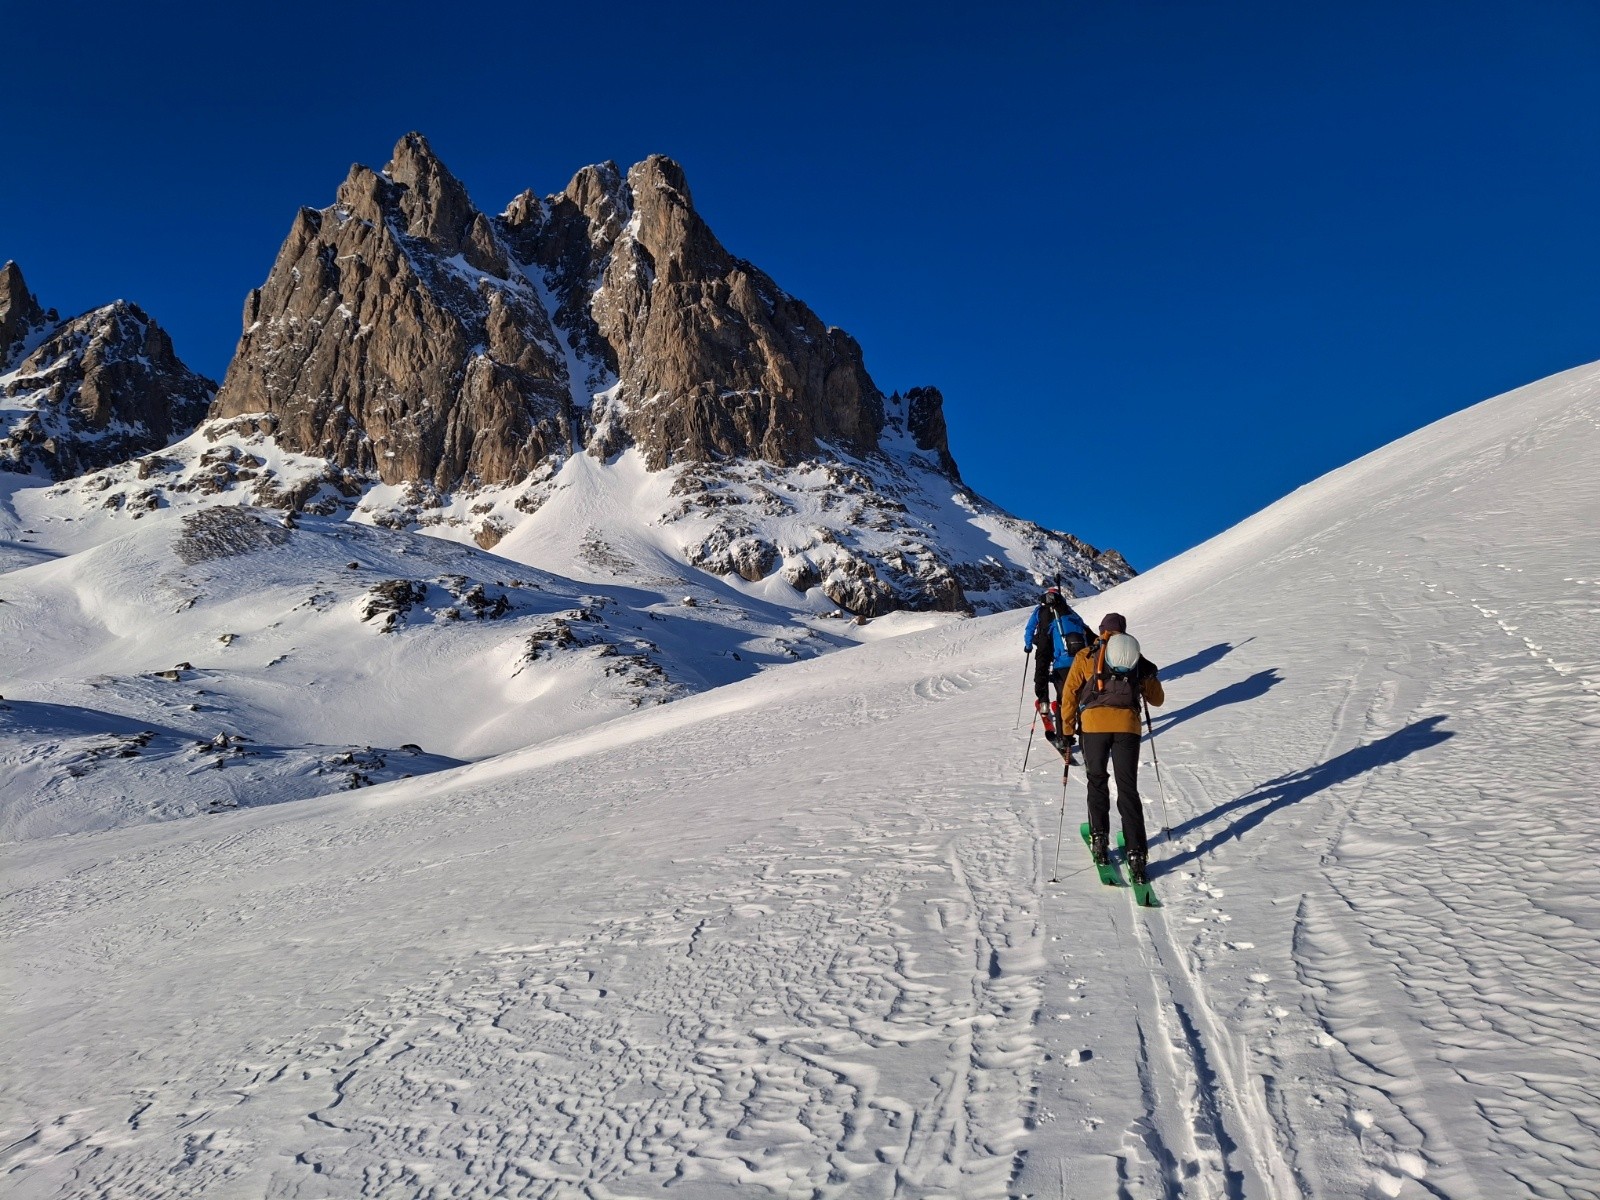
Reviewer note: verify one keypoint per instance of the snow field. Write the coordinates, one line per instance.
(792, 936)
(732, 1005)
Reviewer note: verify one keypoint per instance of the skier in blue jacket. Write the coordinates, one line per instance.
(1055, 634)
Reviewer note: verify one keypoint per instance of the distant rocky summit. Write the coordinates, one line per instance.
(416, 363)
(22, 321)
(405, 336)
(81, 394)
(405, 333)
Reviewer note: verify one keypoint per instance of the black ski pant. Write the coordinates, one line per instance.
(1103, 753)
(1042, 662)
(1059, 678)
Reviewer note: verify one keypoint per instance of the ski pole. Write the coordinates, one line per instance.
(1029, 750)
(1061, 824)
(1027, 657)
(1166, 826)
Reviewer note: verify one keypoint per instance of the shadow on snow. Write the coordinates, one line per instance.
(1253, 688)
(1196, 663)
(1299, 785)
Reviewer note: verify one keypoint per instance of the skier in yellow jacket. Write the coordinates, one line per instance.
(1101, 699)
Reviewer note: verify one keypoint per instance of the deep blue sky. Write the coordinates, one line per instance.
(1209, 249)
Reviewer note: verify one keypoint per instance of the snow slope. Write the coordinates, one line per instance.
(219, 658)
(794, 936)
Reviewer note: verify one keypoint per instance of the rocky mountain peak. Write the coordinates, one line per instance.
(658, 172)
(615, 286)
(924, 417)
(598, 195)
(394, 337)
(364, 194)
(20, 314)
(95, 390)
(680, 244)
(405, 336)
(436, 206)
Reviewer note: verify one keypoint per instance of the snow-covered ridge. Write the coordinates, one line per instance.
(867, 535)
(209, 618)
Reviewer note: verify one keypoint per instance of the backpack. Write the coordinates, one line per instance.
(1042, 618)
(1113, 687)
(1067, 631)
(1072, 639)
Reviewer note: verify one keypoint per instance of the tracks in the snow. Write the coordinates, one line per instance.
(843, 1011)
(1195, 1122)
(1204, 1130)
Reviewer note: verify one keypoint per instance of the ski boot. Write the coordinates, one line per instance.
(1049, 720)
(1136, 868)
(1098, 850)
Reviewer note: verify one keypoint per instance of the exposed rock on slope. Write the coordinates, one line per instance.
(21, 318)
(394, 337)
(89, 392)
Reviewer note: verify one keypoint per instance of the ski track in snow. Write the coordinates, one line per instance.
(744, 1024)
(794, 938)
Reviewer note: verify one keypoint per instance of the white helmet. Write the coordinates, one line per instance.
(1122, 652)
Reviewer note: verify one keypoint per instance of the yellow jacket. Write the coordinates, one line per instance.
(1101, 719)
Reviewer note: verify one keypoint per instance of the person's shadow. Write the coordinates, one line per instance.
(1297, 786)
(1256, 686)
(1199, 661)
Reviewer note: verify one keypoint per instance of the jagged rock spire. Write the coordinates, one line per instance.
(20, 314)
(403, 332)
(91, 391)
(393, 336)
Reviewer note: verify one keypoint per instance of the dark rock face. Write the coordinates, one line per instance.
(925, 423)
(394, 337)
(402, 332)
(95, 390)
(20, 315)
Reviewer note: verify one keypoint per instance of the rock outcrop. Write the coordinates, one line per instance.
(98, 389)
(711, 358)
(394, 336)
(402, 332)
(21, 318)
(404, 337)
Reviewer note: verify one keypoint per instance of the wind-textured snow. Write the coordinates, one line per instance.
(794, 936)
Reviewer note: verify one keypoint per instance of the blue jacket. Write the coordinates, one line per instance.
(1057, 630)
(1033, 628)
(1060, 629)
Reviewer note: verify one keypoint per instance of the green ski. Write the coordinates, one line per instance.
(1142, 895)
(1108, 872)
